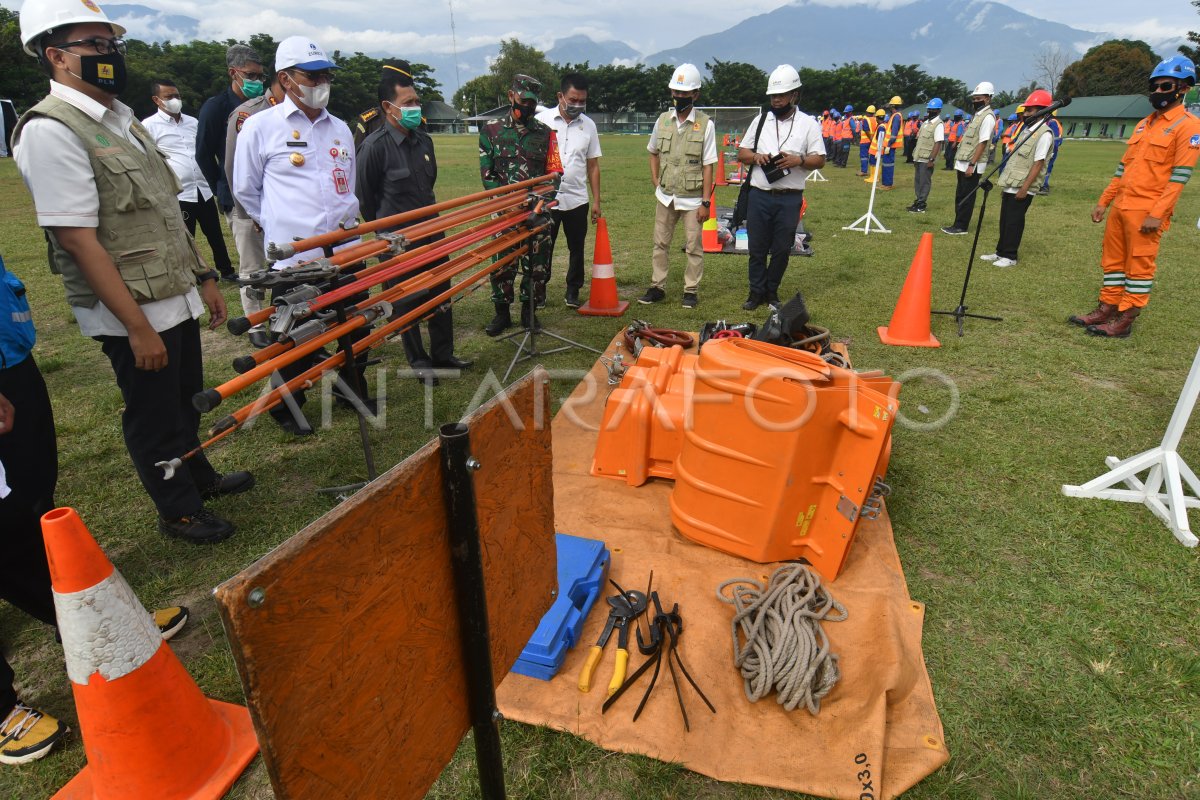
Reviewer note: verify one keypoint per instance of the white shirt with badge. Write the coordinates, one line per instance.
(295, 177)
(709, 157)
(55, 165)
(578, 141)
(177, 141)
(798, 135)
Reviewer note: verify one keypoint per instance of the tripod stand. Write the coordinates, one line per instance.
(527, 346)
(985, 184)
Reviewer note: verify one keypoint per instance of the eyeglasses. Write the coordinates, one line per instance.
(315, 77)
(250, 76)
(103, 46)
(1167, 85)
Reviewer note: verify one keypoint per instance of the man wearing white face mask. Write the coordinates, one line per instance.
(293, 169)
(175, 135)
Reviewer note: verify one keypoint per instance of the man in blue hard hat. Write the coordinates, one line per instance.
(931, 137)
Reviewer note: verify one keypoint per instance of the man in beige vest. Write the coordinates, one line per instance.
(106, 199)
(683, 150)
(971, 159)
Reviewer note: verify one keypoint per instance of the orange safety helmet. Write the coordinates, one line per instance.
(1038, 97)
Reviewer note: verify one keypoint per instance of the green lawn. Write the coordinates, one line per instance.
(1061, 635)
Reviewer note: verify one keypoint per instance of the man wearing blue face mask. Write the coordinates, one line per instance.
(397, 169)
(245, 81)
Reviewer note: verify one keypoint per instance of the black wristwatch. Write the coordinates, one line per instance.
(211, 275)
(706, 203)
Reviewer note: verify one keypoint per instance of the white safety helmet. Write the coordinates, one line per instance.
(984, 88)
(784, 78)
(40, 16)
(686, 78)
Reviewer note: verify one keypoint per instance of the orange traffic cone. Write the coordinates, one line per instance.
(148, 732)
(708, 231)
(910, 321)
(602, 297)
(721, 179)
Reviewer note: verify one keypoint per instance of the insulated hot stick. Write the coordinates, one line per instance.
(239, 418)
(211, 398)
(279, 252)
(240, 325)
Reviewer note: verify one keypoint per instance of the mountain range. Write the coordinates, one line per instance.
(971, 40)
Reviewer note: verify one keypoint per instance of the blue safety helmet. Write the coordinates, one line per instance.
(834, 114)
(847, 109)
(958, 113)
(1011, 118)
(935, 103)
(1180, 68)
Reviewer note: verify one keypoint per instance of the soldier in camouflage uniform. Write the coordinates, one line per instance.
(512, 149)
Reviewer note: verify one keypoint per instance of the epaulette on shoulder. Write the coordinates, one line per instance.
(369, 114)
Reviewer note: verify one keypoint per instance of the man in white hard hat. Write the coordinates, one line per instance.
(294, 173)
(683, 150)
(781, 147)
(971, 158)
(128, 265)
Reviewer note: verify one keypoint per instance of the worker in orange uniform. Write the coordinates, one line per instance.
(893, 140)
(842, 134)
(873, 149)
(866, 135)
(910, 136)
(1157, 164)
(827, 129)
(952, 135)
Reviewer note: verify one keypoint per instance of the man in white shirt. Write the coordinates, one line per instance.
(579, 148)
(1021, 171)
(175, 134)
(971, 158)
(683, 150)
(294, 173)
(782, 146)
(127, 263)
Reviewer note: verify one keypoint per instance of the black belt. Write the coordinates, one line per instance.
(778, 191)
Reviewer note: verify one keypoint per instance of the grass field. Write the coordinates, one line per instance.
(1060, 635)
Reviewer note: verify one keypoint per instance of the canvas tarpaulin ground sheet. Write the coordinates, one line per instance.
(878, 732)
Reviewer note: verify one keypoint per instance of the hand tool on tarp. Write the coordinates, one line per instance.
(305, 380)
(626, 608)
(666, 628)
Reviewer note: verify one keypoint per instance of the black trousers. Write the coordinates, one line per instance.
(951, 151)
(159, 421)
(575, 225)
(910, 143)
(771, 221)
(30, 457)
(1012, 224)
(440, 323)
(210, 223)
(964, 200)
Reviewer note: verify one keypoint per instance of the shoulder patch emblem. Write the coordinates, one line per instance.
(241, 118)
(1195, 140)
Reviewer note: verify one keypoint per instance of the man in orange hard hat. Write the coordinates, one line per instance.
(1157, 164)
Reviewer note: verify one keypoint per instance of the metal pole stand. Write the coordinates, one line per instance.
(527, 346)
(458, 489)
(869, 219)
(1165, 466)
(961, 311)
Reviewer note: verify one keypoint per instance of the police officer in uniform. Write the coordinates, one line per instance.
(128, 265)
(512, 149)
(397, 169)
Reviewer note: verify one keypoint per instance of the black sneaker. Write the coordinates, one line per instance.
(773, 299)
(229, 277)
(652, 295)
(954, 231)
(753, 301)
(229, 483)
(202, 527)
(690, 300)
(572, 298)
(290, 424)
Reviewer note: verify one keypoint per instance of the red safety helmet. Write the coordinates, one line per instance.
(1039, 97)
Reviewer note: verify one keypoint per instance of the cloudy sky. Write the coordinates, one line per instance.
(352, 25)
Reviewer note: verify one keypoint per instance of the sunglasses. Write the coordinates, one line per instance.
(102, 45)
(1167, 85)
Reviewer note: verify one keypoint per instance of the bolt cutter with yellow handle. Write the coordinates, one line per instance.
(626, 607)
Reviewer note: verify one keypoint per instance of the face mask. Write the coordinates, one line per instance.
(682, 104)
(573, 111)
(252, 88)
(1161, 100)
(524, 111)
(172, 106)
(979, 104)
(314, 96)
(104, 72)
(410, 118)
(783, 112)
(931, 115)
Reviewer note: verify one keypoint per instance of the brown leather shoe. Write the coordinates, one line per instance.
(1118, 327)
(1101, 314)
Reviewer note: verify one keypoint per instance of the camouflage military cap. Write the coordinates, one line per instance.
(526, 86)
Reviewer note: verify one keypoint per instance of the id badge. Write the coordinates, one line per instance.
(340, 182)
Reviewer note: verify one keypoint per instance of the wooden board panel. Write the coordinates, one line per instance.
(351, 661)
